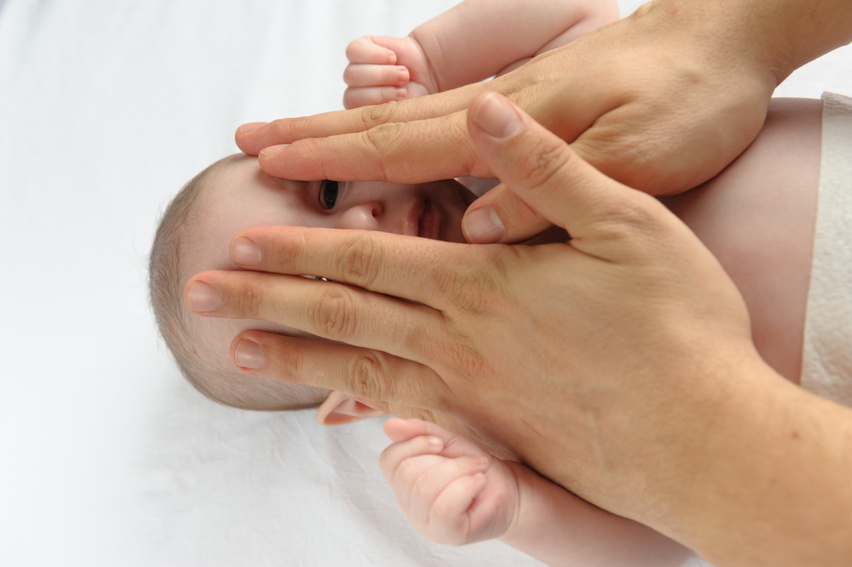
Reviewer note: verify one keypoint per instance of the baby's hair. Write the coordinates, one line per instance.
(183, 332)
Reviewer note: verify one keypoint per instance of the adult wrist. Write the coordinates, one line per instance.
(777, 37)
(768, 481)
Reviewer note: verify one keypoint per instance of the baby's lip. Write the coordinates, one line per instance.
(411, 223)
(430, 222)
(423, 220)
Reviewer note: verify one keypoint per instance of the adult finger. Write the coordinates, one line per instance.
(403, 387)
(483, 221)
(325, 309)
(306, 147)
(393, 151)
(554, 183)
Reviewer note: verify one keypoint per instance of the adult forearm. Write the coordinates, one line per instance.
(768, 483)
(780, 35)
(559, 528)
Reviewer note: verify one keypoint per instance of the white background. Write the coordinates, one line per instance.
(107, 107)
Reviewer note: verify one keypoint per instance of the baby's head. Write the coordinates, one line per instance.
(234, 194)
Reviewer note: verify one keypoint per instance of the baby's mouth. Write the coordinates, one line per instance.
(429, 223)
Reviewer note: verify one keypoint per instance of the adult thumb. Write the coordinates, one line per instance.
(543, 181)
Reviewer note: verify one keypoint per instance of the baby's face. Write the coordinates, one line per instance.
(238, 195)
(249, 197)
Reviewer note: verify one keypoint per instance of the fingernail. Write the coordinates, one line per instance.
(483, 226)
(202, 298)
(250, 127)
(248, 354)
(435, 443)
(244, 252)
(271, 151)
(402, 75)
(496, 116)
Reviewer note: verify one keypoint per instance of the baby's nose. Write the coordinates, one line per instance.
(363, 216)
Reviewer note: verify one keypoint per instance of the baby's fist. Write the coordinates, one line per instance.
(382, 69)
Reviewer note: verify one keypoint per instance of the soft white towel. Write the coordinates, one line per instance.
(827, 361)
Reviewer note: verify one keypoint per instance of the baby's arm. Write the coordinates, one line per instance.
(470, 42)
(455, 493)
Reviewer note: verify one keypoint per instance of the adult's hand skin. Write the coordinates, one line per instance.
(661, 101)
(618, 364)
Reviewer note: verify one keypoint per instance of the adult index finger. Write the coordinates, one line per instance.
(307, 148)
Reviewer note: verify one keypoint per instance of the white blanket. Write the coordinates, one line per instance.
(108, 458)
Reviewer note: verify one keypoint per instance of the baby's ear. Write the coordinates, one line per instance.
(340, 409)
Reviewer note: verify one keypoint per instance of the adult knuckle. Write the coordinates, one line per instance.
(548, 159)
(333, 315)
(381, 141)
(379, 115)
(476, 287)
(359, 260)
(467, 360)
(248, 299)
(367, 375)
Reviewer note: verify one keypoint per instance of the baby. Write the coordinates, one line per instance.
(757, 217)
(452, 49)
(234, 194)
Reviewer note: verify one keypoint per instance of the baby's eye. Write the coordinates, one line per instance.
(328, 194)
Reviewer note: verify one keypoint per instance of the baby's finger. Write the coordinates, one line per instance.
(375, 75)
(363, 50)
(400, 430)
(396, 454)
(449, 520)
(358, 97)
(430, 484)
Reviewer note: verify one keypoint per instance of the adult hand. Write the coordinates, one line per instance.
(618, 364)
(660, 101)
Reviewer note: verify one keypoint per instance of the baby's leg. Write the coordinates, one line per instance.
(758, 217)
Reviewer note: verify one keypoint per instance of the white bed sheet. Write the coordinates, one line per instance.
(106, 456)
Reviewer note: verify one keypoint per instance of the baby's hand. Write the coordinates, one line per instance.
(450, 489)
(382, 69)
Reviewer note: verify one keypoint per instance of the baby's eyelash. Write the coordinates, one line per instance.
(328, 194)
